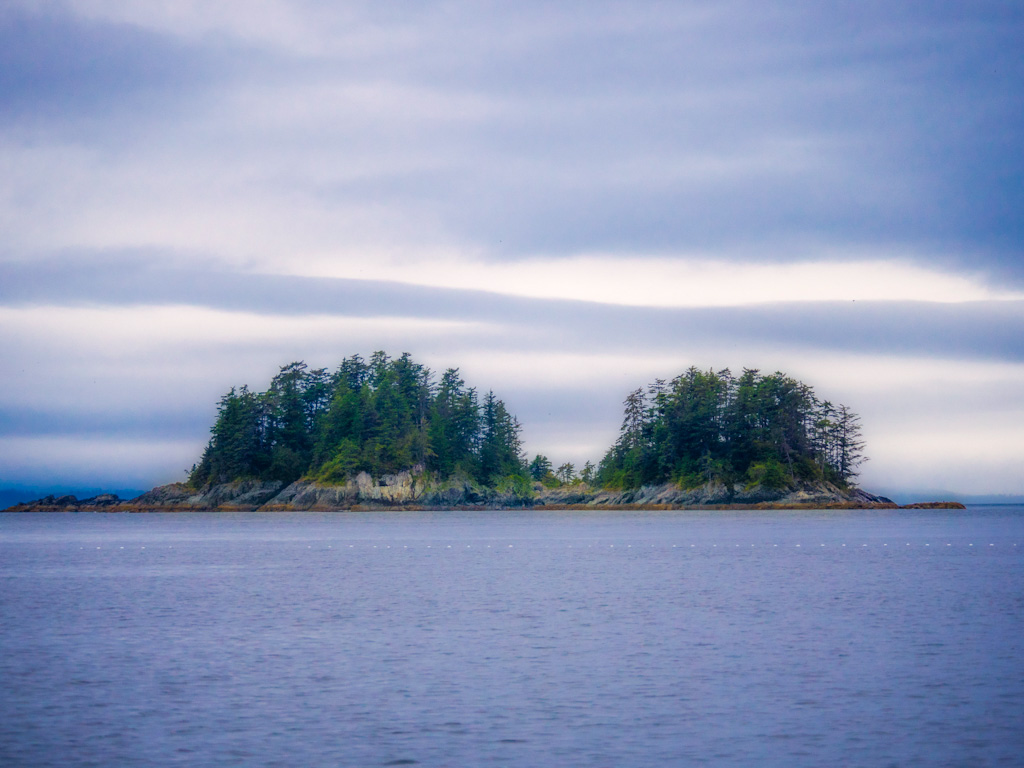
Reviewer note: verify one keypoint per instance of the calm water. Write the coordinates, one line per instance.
(520, 639)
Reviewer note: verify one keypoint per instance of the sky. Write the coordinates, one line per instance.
(563, 200)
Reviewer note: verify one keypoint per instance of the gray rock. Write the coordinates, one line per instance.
(418, 488)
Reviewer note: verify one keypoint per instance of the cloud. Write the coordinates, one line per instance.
(93, 460)
(919, 458)
(972, 330)
(564, 200)
(738, 130)
(61, 70)
(124, 371)
(139, 421)
(695, 282)
(924, 419)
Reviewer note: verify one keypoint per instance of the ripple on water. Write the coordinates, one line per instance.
(529, 639)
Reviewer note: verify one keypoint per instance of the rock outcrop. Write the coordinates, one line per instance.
(418, 489)
(714, 494)
(104, 501)
(242, 495)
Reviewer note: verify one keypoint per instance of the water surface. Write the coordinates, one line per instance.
(534, 639)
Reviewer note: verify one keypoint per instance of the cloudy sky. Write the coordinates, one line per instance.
(565, 200)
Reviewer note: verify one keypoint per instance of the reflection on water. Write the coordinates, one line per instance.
(540, 639)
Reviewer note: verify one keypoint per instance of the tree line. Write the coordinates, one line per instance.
(380, 416)
(706, 426)
(386, 415)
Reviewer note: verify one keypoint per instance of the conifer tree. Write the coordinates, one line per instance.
(379, 417)
(706, 426)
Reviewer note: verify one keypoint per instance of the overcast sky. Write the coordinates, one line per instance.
(565, 200)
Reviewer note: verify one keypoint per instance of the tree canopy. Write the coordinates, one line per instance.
(381, 417)
(705, 426)
(386, 415)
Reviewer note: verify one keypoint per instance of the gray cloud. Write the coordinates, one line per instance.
(731, 131)
(887, 125)
(146, 421)
(737, 129)
(970, 330)
(59, 73)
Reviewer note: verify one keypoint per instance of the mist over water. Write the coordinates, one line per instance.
(517, 638)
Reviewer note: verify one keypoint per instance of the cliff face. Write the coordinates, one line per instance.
(417, 489)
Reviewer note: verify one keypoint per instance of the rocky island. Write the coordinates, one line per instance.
(383, 434)
(409, 492)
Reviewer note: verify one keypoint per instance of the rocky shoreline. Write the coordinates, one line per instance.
(417, 490)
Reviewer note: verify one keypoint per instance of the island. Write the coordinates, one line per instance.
(386, 433)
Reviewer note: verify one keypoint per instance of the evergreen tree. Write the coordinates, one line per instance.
(540, 467)
(501, 445)
(378, 417)
(238, 444)
(708, 426)
(849, 445)
(454, 426)
(289, 423)
(566, 473)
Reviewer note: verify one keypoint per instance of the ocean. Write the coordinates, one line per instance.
(861, 638)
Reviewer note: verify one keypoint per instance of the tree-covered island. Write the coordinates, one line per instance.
(388, 432)
(379, 417)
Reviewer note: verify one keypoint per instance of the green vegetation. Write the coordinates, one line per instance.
(705, 427)
(389, 415)
(379, 417)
